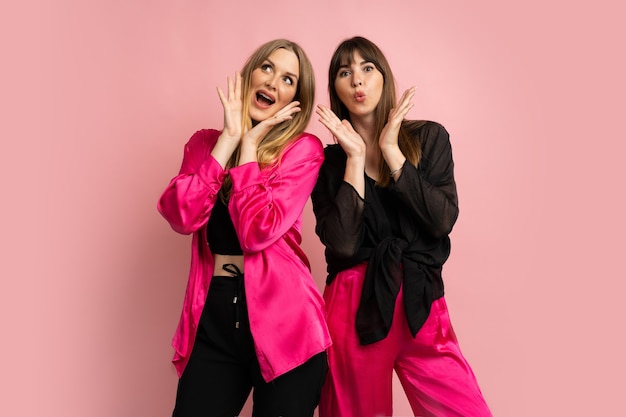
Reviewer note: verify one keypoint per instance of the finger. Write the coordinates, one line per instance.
(348, 126)
(326, 124)
(401, 111)
(279, 118)
(325, 110)
(404, 105)
(238, 85)
(409, 92)
(276, 119)
(322, 108)
(229, 87)
(221, 95)
(290, 107)
(328, 115)
(406, 98)
(335, 128)
(284, 115)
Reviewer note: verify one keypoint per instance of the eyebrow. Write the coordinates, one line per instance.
(288, 73)
(365, 61)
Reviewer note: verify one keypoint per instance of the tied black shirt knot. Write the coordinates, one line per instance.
(391, 265)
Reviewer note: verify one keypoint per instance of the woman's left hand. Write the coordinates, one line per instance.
(251, 138)
(258, 132)
(389, 135)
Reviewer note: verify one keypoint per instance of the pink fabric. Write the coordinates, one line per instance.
(284, 304)
(435, 376)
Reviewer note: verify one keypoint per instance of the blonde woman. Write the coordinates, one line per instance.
(252, 316)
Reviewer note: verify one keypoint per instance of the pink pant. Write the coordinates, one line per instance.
(435, 376)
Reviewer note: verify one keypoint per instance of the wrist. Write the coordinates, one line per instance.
(356, 161)
(395, 171)
(389, 148)
(247, 153)
(395, 168)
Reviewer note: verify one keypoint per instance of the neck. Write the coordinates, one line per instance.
(366, 127)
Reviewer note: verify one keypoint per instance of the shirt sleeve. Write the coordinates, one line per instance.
(429, 191)
(338, 208)
(188, 200)
(264, 205)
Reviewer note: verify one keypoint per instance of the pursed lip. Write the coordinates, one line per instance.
(359, 96)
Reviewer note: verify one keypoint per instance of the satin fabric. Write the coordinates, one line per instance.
(285, 306)
(436, 378)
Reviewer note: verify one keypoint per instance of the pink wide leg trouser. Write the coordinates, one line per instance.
(435, 376)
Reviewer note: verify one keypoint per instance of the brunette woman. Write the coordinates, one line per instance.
(385, 203)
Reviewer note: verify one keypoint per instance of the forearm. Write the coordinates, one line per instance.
(187, 201)
(354, 174)
(435, 208)
(339, 219)
(224, 149)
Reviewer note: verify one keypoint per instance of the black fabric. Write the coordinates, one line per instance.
(401, 231)
(221, 235)
(223, 367)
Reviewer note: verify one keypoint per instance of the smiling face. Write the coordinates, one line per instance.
(273, 84)
(359, 85)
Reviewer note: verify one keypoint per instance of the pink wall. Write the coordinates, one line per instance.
(98, 98)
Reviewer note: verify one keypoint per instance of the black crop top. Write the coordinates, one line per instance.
(221, 235)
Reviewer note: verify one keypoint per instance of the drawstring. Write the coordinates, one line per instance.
(233, 269)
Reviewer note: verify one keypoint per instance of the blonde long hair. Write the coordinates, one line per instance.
(371, 53)
(277, 139)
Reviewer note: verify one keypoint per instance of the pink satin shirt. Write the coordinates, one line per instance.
(285, 307)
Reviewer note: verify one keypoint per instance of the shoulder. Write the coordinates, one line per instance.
(203, 138)
(334, 152)
(432, 136)
(305, 144)
(425, 129)
(308, 140)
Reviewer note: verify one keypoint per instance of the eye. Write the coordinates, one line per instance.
(343, 74)
(369, 68)
(288, 80)
(266, 68)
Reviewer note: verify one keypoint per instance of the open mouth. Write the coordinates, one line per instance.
(262, 98)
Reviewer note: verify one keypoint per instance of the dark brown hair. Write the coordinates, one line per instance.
(344, 54)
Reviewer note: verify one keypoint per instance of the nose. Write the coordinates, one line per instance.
(270, 82)
(356, 81)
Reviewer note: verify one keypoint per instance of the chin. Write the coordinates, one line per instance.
(258, 115)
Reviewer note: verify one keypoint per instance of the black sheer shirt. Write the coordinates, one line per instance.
(402, 230)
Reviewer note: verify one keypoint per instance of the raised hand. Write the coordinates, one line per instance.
(251, 138)
(262, 128)
(389, 135)
(350, 141)
(233, 106)
(231, 134)
(353, 145)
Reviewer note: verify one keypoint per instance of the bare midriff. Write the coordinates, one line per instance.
(221, 260)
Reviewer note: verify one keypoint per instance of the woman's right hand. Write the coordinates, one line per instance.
(233, 105)
(350, 141)
(353, 145)
(231, 134)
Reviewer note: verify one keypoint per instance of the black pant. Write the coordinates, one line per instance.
(223, 367)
